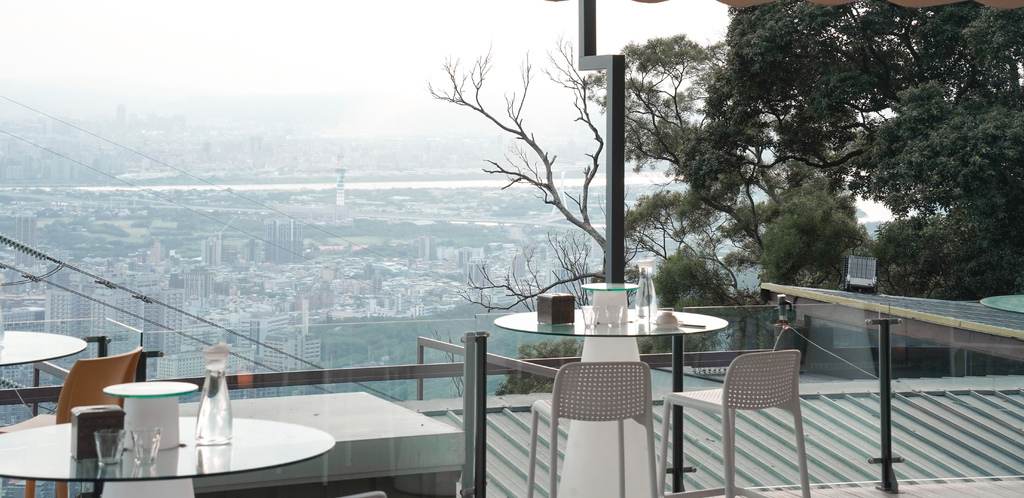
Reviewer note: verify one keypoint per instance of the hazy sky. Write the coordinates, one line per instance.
(375, 54)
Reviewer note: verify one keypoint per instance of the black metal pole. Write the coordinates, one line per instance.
(615, 139)
(889, 483)
(474, 416)
(480, 474)
(101, 344)
(469, 408)
(677, 415)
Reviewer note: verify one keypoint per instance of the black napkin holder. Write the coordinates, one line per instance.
(556, 308)
(85, 421)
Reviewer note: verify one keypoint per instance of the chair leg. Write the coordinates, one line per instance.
(652, 461)
(729, 451)
(622, 459)
(801, 452)
(663, 463)
(531, 473)
(553, 465)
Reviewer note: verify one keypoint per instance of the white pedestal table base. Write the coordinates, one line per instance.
(590, 468)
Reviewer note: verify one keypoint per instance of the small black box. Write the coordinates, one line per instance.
(556, 308)
(86, 420)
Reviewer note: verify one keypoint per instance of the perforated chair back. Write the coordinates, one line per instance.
(756, 381)
(602, 391)
(598, 391)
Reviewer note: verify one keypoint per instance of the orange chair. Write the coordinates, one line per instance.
(83, 387)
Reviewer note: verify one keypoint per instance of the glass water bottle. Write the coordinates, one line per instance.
(213, 425)
(646, 302)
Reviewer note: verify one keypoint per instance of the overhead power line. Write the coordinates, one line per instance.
(18, 246)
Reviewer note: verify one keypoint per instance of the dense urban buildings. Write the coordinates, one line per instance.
(392, 235)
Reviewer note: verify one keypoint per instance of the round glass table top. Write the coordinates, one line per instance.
(1005, 303)
(30, 347)
(689, 323)
(610, 287)
(45, 453)
(154, 389)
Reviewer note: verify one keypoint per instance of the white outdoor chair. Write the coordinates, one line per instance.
(754, 381)
(596, 392)
(369, 494)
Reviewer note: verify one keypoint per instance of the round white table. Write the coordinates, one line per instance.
(30, 347)
(44, 454)
(589, 467)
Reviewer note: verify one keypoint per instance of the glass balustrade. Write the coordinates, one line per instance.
(955, 412)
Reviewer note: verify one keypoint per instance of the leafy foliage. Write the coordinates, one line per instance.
(918, 108)
(524, 383)
(806, 105)
(745, 210)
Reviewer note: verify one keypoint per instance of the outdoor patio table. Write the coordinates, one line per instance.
(30, 347)
(44, 454)
(589, 466)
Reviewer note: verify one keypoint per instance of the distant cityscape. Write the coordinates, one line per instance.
(260, 233)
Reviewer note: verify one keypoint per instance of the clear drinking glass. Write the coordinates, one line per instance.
(588, 316)
(145, 444)
(109, 446)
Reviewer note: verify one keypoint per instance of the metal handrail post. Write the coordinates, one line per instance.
(35, 383)
(889, 483)
(141, 369)
(101, 344)
(419, 361)
(474, 416)
(678, 423)
(677, 416)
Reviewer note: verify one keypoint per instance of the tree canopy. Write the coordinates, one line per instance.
(806, 105)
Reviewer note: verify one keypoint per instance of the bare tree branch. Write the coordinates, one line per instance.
(530, 163)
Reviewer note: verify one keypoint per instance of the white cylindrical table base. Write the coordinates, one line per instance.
(591, 465)
(170, 488)
(153, 412)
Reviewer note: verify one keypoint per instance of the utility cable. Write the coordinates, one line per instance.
(45, 275)
(785, 327)
(194, 177)
(215, 220)
(149, 300)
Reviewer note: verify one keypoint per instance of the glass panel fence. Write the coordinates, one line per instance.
(398, 380)
(955, 404)
(956, 408)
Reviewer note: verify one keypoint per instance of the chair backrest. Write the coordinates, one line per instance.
(756, 381)
(602, 391)
(87, 378)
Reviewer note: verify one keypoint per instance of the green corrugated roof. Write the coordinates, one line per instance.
(943, 427)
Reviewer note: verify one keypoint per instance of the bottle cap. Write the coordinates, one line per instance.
(216, 356)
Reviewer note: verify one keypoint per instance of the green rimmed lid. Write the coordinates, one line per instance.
(1005, 303)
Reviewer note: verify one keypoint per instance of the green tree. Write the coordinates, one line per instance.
(524, 383)
(745, 211)
(920, 109)
(809, 233)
